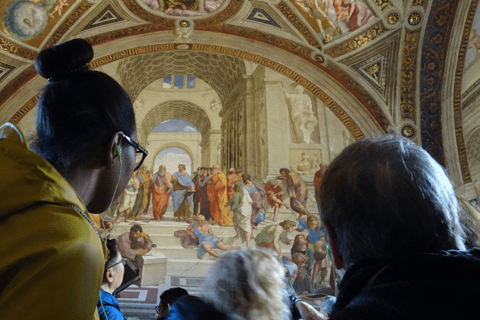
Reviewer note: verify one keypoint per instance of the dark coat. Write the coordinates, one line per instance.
(440, 286)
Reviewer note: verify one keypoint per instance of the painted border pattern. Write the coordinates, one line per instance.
(436, 40)
(457, 102)
(293, 19)
(339, 112)
(382, 4)
(408, 75)
(17, 50)
(356, 43)
(66, 25)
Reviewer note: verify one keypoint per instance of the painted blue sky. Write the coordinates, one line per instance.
(171, 158)
(175, 125)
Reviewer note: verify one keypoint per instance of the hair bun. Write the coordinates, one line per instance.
(63, 59)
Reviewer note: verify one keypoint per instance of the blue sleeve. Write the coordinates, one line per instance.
(302, 225)
(112, 313)
(174, 314)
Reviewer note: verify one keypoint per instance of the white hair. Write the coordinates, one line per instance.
(247, 284)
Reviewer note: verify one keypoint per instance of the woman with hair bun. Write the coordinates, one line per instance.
(82, 158)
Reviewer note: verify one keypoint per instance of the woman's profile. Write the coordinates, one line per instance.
(81, 159)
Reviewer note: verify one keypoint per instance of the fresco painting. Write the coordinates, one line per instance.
(333, 19)
(184, 8)
(30, 21)
(200, 192)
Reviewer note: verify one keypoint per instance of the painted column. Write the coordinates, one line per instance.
(201, 6)
(277, 124)
(215, 139)
(251, 141)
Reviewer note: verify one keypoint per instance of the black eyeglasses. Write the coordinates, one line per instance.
(139, 152)
(123, 261)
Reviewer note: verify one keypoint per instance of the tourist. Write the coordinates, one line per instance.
(84, 151)
(107, 305)
(392, 221)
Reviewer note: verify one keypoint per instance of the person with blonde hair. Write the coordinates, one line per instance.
(250, 284)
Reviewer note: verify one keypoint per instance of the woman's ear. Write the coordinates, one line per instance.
(115, 143)
(337, 258)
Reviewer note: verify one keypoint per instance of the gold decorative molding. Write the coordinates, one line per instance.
(67, 24)
(25, 109)
(11, 87)
(129, 53)
(422, 3)
(408, 75)
(382, 4)
(392, 18)
(408, 131)
(357, 42)
(339, 112)
(17, 50)
(457, 102)
(288, 13)
(414, 19)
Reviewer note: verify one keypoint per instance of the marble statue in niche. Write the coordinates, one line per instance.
(183, 32)
(215, 105)
(302, 115)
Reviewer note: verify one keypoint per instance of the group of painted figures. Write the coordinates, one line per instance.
(233, 200)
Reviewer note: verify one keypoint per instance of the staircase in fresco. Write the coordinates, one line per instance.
(183, 261)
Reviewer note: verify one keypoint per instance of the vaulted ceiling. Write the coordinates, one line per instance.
(386, 71)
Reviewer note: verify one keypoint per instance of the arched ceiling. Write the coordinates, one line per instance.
(221, 72)
(176, 109)
(393, 68)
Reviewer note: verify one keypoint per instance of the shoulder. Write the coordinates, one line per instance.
(123, 236)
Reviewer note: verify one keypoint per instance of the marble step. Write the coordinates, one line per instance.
(170, 225)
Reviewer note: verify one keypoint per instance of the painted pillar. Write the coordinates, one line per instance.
(250, 132)
(277, 124)
(201, 6)
(215, 139)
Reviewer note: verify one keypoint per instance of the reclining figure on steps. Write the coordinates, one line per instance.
(207, 240)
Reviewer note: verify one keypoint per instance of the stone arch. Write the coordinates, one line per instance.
(167, 145)
(176, 109)
(221, 72)
(351, 110)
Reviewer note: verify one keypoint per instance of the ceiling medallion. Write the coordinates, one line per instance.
(408, 131)
(184, 24)
(183, 47)
(414, 19)
(392, 18)
(319, 58)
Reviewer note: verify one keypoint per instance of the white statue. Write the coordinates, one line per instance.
(215, 105)
(302, 114)
(183, 33)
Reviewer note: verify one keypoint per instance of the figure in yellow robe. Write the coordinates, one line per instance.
(217, 195)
